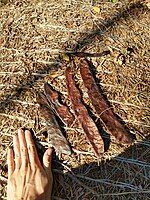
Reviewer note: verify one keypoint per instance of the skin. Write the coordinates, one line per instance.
(28, 179)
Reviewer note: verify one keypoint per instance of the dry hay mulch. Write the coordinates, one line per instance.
(35, 35)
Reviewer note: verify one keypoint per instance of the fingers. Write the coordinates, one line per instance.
(10, 161)
(33, 156)
(23, 148)
(17, 155)
(25, 152)
(47, 158)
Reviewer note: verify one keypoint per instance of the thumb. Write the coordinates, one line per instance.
(47, 160)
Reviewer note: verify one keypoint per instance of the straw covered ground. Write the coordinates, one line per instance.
(35, 37)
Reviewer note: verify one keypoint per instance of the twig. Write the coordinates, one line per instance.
(57, 198)
(109, 182)
(125, 193)
(60, 28)
(128, 104)
(16, 117)
(132, 161)
(77, 180)
(82, 152)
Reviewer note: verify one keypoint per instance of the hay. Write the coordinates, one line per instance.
(34, 37)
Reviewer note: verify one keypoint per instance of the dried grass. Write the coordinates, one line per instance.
(34, 35)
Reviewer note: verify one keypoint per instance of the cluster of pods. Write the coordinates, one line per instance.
(51, 108)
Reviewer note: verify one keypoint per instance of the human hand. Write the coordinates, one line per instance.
(28, 179)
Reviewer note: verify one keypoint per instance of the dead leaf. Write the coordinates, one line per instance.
(9, 21)
(65, 57)
(96, 9)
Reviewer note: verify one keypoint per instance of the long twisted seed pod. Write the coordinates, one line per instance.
(61, 110)
(57, 140)
(108, 118)
(86, 122)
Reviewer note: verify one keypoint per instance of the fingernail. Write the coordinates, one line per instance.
(49, 152)
(20, 130)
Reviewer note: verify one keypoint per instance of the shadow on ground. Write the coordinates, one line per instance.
(102, 182)
(134, 9)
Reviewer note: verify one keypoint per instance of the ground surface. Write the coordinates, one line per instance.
(34, 38)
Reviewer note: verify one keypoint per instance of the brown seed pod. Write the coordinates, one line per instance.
(61, 110)
(108, 118)
(86, 122)
(57, 140)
